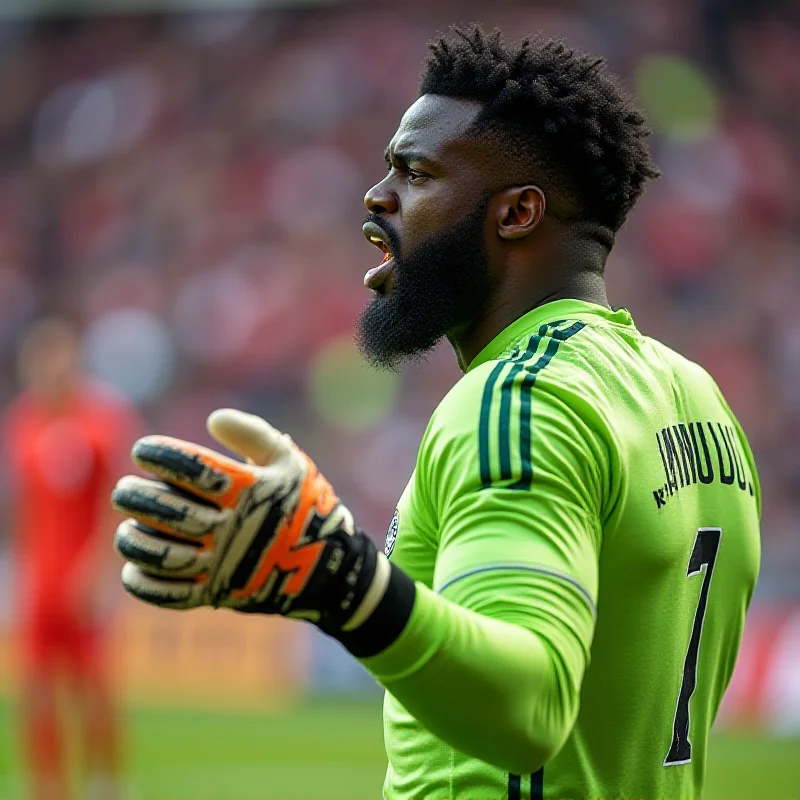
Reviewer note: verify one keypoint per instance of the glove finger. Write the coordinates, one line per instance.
(248, 435)
(159, 506)
(157, 555)
(209, 475)
(161, 592)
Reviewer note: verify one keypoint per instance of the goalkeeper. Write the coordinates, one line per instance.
(561, 600)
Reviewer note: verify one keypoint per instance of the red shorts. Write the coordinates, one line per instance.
(57, 639)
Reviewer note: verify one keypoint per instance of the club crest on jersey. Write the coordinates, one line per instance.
(391, 534)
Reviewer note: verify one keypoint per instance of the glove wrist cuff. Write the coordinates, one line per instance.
(388, 619)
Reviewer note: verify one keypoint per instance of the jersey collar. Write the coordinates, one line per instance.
(549, 312)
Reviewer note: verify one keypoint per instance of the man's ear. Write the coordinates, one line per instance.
(520, 210)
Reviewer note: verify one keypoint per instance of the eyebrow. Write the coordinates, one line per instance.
(406, 157)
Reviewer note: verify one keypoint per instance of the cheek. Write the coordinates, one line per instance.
(426, 214)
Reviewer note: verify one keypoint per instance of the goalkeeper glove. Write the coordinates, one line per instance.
(267, 536)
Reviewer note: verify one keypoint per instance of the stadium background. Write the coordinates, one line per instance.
(187, 185)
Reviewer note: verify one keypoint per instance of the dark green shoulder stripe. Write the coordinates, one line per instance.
(526, 389)
(504, 450)
(505, 401)
(486, 404)
(505, 422)
(563, 335)
(483, 427)
(519, 362)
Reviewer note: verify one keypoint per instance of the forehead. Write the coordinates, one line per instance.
(435, 124)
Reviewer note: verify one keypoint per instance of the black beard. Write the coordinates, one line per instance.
(440, 287)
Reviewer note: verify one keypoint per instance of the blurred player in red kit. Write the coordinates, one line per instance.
(65, 437)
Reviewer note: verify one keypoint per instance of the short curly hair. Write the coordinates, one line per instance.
(563, 116)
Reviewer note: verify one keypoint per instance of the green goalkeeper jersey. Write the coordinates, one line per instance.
(589, 485)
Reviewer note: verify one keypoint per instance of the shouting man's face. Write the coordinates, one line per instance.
(429, 217)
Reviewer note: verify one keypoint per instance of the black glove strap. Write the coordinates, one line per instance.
(345, 591)
(387, 622)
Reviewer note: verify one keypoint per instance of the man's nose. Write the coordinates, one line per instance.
(380, 200)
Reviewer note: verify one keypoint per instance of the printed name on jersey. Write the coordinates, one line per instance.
(687, 453)
(391, 534)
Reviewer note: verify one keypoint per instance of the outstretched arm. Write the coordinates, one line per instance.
(491, 664)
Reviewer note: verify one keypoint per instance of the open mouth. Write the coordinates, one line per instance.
(382, 246)
(376, 277)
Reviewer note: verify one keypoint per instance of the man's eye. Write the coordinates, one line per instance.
(415, 177)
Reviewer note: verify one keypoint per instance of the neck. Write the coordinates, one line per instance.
(587, 286)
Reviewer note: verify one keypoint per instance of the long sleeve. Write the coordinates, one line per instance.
(490, 688)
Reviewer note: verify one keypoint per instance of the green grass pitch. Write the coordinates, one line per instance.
(335, 751)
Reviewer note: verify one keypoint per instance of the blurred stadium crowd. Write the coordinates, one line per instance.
(189, 189)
